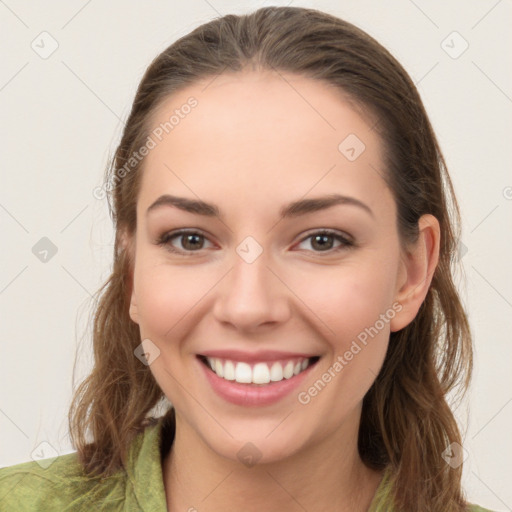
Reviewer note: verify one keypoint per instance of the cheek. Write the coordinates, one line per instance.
(165, 296)
(348, 299)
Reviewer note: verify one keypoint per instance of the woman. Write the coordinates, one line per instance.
(285, 230)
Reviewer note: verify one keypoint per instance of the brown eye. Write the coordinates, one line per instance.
(190, 241)
(322, 241)
(193, 241)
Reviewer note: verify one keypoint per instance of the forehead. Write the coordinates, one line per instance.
(267, 134)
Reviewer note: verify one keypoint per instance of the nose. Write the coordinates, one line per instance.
(252, 295)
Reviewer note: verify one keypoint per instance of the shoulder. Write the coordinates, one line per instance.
(476, 508)
(61, 484)
(383, 500)
(56, 484)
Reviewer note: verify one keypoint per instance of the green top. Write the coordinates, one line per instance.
(59, 484)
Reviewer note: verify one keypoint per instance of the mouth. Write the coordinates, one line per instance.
(257, 374)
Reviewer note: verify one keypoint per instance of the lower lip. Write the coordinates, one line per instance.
(253, 395)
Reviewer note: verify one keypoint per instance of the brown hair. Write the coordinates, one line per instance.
(406, 422)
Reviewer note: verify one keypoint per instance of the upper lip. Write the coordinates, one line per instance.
(262, 355)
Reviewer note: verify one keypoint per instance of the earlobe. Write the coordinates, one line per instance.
(418, 266)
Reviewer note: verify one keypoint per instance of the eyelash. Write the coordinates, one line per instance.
(167, 237)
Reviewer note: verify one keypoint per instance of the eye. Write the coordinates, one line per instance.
(191, 241)
(320, 239)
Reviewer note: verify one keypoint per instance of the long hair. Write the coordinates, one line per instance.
(406, 422)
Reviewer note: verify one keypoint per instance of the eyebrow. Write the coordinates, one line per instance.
(291, 210)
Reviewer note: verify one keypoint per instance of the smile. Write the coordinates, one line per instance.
(259, 373)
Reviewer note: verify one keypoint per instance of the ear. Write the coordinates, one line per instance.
(134, 313)
(417, 269)
(127, 244)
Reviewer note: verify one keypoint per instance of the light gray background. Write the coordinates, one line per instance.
(62, 116)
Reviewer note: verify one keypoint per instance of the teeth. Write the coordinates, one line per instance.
(229, 369)
(260, 373)
(288, 370)
(243, 373)
(218, 368)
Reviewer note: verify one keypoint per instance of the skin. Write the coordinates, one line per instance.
(255, 142)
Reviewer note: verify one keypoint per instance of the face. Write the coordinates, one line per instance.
(251, 279)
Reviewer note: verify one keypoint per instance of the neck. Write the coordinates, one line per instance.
(323, 477)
